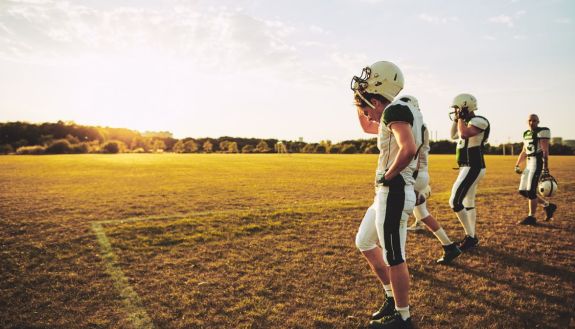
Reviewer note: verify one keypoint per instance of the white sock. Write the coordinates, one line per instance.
(388, 291)
(442, 237)
(404, 312)
(472, 215)
(464, 219)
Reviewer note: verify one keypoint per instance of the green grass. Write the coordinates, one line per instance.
(260, 241)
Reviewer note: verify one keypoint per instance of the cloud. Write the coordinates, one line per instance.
(563, 20)
(489, 37)
(502, 19)
(508, 20)
(436, 19)
(217, 37)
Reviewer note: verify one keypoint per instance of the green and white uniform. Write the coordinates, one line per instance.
(532, 172)
(386, 219)
(471, 164)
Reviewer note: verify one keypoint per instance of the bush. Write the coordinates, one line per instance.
(371, 149)
(248, 148)
(6, 149)
(320, 149)
(334, 149)
(80, 148)
(348, 149)
(113, 147)
(31, 150)
(60, 146)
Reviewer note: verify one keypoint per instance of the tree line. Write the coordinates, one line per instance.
(71, 138)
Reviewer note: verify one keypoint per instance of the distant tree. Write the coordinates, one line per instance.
(60, 146)
(224, 146)
(348, 149)
(31, 150)
(113, 147)
(158, 145)
(208, 146)
(248, 148)
(6, 149)
(371, 149)
(309, 148)
(263, 147)
(334, 149)
(321, 149)
(233, 147)
(442, 147)
(178, 147)
(191, 146)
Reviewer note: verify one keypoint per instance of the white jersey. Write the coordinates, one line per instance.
(469, 152)
(424, 151)
(531, 140)
(397, 111)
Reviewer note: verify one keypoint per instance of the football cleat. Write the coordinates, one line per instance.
(450, 252)
(529, 220)
(393, 321)
(387, 309)
(468, 243)
(549, 211)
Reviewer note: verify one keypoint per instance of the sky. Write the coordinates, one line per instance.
(282, 68)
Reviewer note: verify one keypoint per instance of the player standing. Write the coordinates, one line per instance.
(398, 129)
(471, 132)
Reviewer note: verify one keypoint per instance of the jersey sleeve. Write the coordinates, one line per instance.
(397, 112)
(479, 122)
(544, 133)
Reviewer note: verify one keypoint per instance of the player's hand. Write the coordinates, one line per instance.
(545, 172)
(518, 170)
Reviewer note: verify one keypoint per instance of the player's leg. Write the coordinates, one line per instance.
(450, 249)
(394, 207)
(465, 179)
(469, 203)
(530, 180)
(366, 241)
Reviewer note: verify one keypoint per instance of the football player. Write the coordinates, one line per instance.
(536, 151)
(398, 129)
(471, 132)
(423, 191)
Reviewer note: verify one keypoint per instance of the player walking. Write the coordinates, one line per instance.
(536, 151)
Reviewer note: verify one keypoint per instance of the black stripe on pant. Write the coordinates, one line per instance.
(532, 194)
(464, 187)
(393, 212)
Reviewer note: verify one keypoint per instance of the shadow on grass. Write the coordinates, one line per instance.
(555, 308)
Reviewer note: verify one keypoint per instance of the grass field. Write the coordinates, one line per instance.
(261, 241)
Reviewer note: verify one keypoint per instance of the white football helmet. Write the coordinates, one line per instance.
(381, 78)
(547, 186)
(410, 99)
(462, 101)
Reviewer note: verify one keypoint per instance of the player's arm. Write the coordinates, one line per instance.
(521, 158)
(407, 148)
(370, 127)
(454, 134)
(544, 144)
(466, 131)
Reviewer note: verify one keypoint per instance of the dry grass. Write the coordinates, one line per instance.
(261, 241)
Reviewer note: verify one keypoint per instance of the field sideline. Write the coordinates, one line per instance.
(261, 241)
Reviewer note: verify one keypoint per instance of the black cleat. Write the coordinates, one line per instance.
(393, 321)
(450, 252)
(387, 309)
(468, 243)
(529, 220)
(549, 211)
